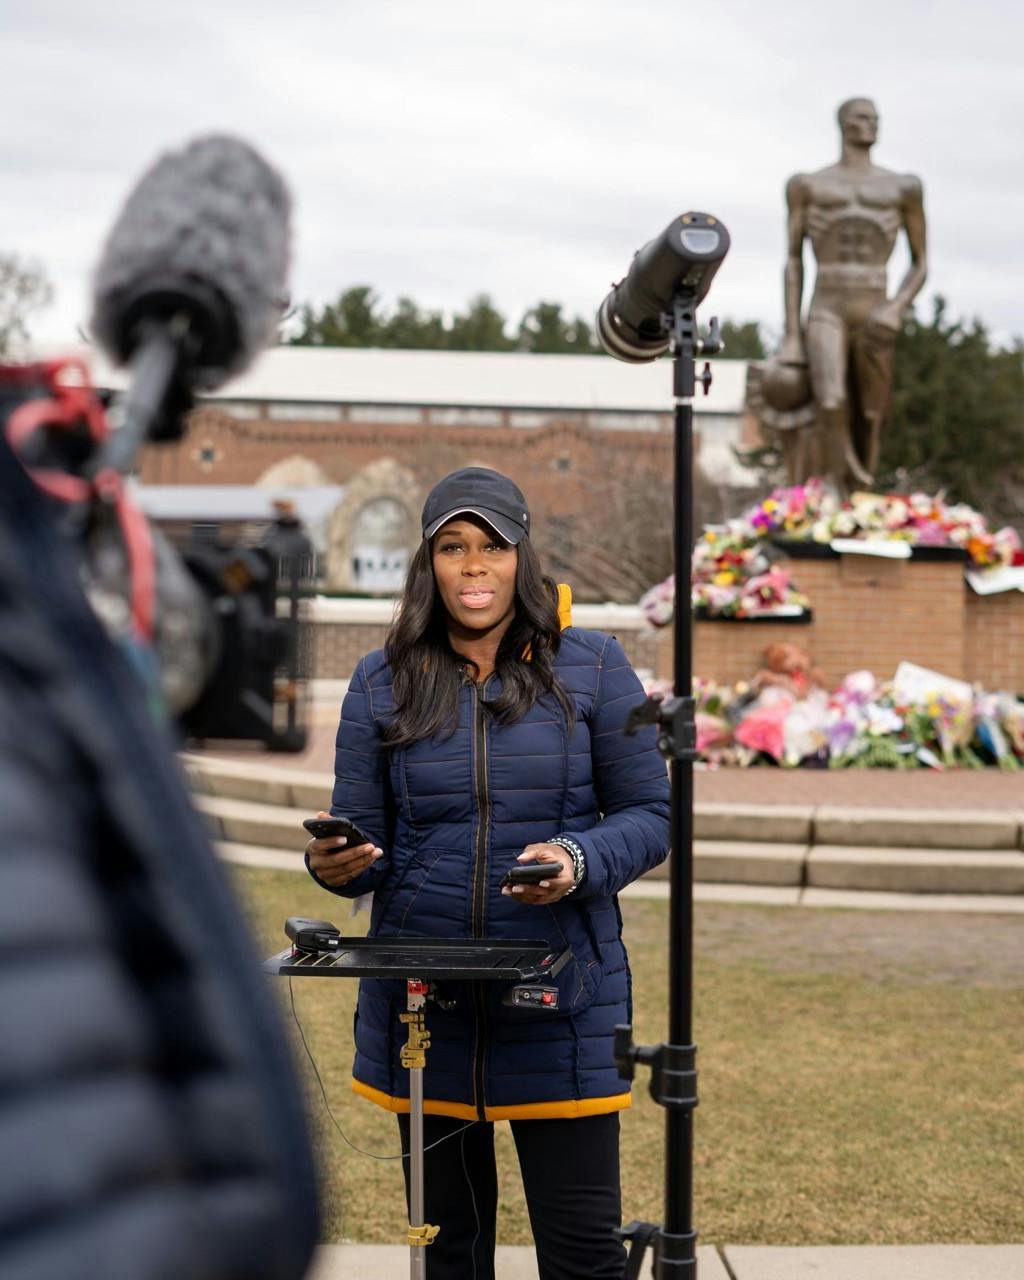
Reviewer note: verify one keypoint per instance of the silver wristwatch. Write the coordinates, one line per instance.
(579, 862)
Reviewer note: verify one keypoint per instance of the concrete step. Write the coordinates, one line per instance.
(867, 900)
(770, 867)
(261, 783)
(278, 828)
(901, 870)
(745, 862)
(762, 824)
(937, 829)
(251, 823)
(255, 855)
(760, 895)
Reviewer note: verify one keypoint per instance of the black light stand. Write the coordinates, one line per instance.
(673, 1065)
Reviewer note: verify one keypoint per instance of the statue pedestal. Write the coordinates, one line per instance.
(873, 613)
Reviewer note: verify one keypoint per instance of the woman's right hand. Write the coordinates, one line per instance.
(334, 863)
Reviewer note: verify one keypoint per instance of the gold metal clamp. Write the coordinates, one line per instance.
(423, 1235)
(414, 1051)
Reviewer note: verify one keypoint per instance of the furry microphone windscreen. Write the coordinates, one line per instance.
(208, 222)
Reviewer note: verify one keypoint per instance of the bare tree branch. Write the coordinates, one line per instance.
(24, 288)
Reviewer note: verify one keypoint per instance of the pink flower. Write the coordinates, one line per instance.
(763, 729)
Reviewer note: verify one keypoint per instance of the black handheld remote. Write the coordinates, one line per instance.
(312, 935)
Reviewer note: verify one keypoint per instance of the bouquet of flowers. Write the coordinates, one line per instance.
(732, 577)
(867, 730)
(999, 728)
(733, 574)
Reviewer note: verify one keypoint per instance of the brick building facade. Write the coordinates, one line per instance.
(588, 439)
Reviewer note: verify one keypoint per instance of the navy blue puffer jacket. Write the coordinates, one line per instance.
(452, 815)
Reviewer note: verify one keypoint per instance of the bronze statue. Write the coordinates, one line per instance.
(852, 213)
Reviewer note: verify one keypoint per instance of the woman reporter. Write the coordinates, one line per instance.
(488, 732)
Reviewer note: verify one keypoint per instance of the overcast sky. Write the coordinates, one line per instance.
(440, 148)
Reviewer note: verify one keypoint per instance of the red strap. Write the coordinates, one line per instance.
(69, 404)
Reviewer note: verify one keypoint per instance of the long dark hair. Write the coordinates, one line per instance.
(427, 672)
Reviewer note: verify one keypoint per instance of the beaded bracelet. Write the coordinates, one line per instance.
(579, 862)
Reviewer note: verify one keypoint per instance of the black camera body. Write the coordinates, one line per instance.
(228, 649)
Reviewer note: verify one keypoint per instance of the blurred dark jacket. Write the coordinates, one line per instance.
(151, 1125)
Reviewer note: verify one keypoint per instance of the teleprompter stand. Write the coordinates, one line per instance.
(673, 1065)
(320, 951)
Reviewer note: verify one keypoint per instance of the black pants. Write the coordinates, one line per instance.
(570, 1174)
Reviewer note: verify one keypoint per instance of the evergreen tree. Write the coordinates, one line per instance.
(581, 340)
(352, 321)
(410, 328)
(957, 420)
(480, 328)
(544, 329)
(743, 341)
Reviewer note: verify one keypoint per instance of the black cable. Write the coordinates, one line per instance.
(404, 1155)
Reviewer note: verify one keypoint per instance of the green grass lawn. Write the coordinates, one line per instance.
(861, 1077)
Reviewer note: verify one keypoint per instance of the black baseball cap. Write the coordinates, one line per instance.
(480, 492)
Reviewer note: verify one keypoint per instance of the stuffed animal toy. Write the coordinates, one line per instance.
(788, 667)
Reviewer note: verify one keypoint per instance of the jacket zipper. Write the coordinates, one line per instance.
(480, 884)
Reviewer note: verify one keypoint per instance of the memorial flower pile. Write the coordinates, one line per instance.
(813, 512)
(919, 719)
(735, 569)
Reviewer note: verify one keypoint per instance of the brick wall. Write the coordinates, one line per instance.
(339, 641)
(340, 645)
(874, 614)
(241, 452)
(994, 641)
(867, 614)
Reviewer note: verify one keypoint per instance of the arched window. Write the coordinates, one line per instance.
(382, 534)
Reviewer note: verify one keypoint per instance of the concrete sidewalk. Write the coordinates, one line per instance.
(741, 1262)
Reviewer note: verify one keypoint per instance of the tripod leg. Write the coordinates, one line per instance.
(417, 1252)
(414, 1058)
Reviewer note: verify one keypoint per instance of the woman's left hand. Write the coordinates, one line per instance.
(547, 891)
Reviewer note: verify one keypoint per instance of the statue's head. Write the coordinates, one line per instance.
(858, 121)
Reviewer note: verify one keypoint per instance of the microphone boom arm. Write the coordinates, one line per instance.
(158, 395)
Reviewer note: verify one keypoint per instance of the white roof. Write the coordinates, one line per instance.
(233, 501)
(200, 503)
(473, 378)
(514, 380)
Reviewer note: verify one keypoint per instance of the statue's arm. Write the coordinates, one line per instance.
(796, 228)
(914, 225)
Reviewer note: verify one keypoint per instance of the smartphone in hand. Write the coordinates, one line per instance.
(323, 828)
(532, 873)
